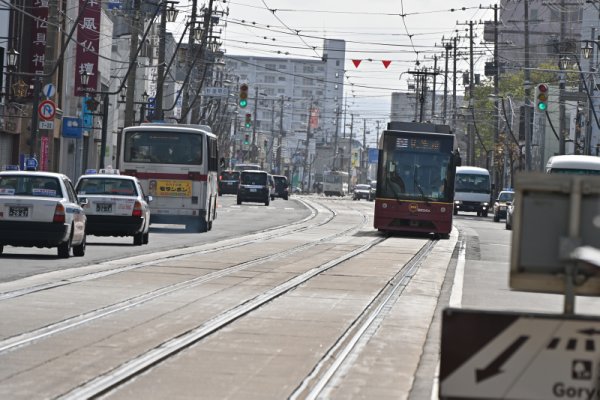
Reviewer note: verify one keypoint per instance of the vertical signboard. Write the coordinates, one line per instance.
(44, 154)
(314, 118)
(88, 40)
(38, 31)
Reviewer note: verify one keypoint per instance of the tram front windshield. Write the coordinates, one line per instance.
(416, 176)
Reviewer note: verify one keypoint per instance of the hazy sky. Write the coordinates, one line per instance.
(402, 32)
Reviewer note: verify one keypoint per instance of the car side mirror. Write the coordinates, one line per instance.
(83, 201)
(149, 198)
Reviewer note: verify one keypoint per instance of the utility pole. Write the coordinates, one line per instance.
(159, 113)
(350, 153)
(496, 104)
(421, 76)
(50, 59)
(280, 139)
(527, 113)
(306, 149)
(433, 90)
(561, 85)
(471, 134)
(335, 138)
(447, 47)
(253, 149)
(185, 100)
(363, 158)
(130, 96)
(454, 87)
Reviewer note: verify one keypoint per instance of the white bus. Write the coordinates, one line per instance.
(573, 164)
(178, 166)
(335, 183)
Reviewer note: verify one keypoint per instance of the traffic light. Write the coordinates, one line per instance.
(243, 95)
(246, 139)
(541, 97)
(248, 123)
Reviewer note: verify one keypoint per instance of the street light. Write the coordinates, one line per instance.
(169, 13)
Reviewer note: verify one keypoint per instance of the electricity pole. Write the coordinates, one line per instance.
(135, 31)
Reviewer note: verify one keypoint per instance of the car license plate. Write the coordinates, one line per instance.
(253, 190)
(229, 183)
(104, 207)
(18, 211)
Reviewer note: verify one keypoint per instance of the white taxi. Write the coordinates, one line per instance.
(41, 209)
(115, 205)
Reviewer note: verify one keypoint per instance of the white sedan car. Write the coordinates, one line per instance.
(115, 206)
(41, 209)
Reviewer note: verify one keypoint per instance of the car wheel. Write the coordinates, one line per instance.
(79, 250)
(239, 201)
(267, 202)
(146, 238)
(138, 239)
(64, 249)
(272, 198)
(1, 249)
(484, 214)
(285, 196)
(496, 218)
(455, 212)
(508, 225)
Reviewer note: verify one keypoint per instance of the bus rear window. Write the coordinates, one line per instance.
(163, 147)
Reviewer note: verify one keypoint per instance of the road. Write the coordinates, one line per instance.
(258, 308)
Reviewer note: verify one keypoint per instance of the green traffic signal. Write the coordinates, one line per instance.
(243, 103)
(248, 124)
(542, 106)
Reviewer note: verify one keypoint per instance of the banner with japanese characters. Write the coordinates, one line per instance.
(88, 40)
(39, 31)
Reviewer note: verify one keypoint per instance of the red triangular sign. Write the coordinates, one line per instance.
(356, 63)
(386, 63)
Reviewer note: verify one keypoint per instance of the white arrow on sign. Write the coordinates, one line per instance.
(535, 359)
(49, 90)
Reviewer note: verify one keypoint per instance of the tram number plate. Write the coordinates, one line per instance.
(18, 212)
(104, 207)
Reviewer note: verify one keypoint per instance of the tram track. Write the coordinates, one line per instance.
(129, 370)
(347, 242)
(32, 336)
(107, 268)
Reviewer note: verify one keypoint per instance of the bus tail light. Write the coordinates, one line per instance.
(59, 214)
(137, 210)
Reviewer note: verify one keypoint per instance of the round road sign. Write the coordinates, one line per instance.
(47, 110)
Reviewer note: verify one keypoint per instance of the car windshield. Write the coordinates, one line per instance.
(254, 178)
(506, 196)
(106, 186)
(363, 187)
(230, 176)
(30, 185)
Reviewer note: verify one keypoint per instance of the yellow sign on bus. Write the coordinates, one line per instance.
(173, 188)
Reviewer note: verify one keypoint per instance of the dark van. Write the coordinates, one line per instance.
(254, 187)
(229, 182)
(281, 186)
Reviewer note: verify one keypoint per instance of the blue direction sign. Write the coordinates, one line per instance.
(72, 127)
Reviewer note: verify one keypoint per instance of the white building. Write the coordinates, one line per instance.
(282, 93)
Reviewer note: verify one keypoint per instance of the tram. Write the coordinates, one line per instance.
(415, 178)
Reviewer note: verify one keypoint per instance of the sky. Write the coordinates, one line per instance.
(407, 35)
